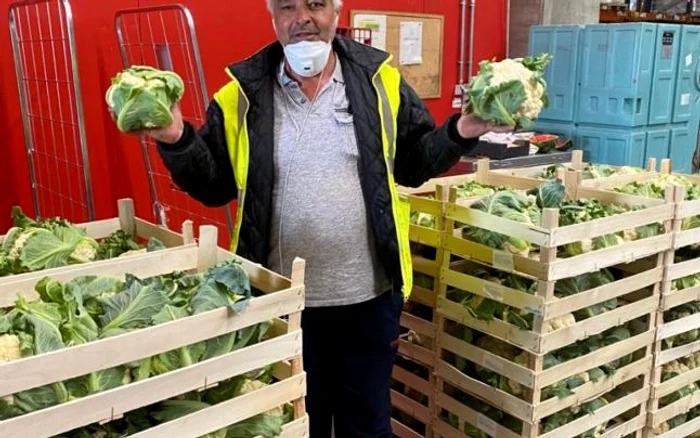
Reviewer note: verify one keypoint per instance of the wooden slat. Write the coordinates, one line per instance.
(425, 205)
(181, 258)
(600, 416)
(673, 328)
(417, 353)
(597, 358)
(604, 258)
(688, 209)
(598, 324)
(80, 360)
(497, 328)
(403, 431)
(609, 225)
(422, 296)
(676, 383)
(411, 380)
(147, 230)
(684, 430)
(687, 237)
(484, 254)
(100, 229)
(608, 197)
(488, 360)
(410, 407)
(604, 293)
(230, 412)
(424, 236)
(683, 269)
(666, 356)
(506, 402)
(444, 430)
(418, 325)
(479, 219)
(678, 297)
(677, 408)
(593, 389)
(113, 403)
(429, 187)
(627, 428)
(474, 418)
(512, 297)
(425, 266)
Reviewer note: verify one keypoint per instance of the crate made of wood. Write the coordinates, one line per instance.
(536, 172)
(464, 415)
(637, 300)
(281, 301)
(412, 394)
(101, 229)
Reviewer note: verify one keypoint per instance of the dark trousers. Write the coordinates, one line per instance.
(349, 352)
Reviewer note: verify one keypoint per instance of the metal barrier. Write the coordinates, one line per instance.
(43, 45)
(164, 37)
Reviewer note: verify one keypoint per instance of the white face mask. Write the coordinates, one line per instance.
(307, 58)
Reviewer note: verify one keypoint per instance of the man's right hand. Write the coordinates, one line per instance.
(168, 135)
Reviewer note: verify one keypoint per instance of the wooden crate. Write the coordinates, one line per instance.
(639, 295)
(413, 383)
(577, 163)
(660, 410)
(281, 301)
(101, 229)
(413, 375)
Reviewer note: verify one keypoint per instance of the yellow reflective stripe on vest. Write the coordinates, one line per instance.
(234, 105)
(387, 82)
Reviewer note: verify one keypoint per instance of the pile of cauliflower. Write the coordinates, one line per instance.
(510, 92)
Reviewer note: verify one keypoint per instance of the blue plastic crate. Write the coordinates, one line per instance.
(618, 147)
(563, 43)
(658, 143)
(687, 88)
(616, 74)
(683, 143)
(668, 42)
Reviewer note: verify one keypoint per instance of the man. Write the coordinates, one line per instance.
(311, 136)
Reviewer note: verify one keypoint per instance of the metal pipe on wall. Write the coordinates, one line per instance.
(472, 26)
(462, 38)
(508, 29)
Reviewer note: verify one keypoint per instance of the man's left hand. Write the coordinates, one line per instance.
(470, 126)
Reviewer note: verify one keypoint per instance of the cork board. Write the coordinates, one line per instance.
(426, 77)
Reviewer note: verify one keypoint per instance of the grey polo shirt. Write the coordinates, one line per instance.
(318, 199)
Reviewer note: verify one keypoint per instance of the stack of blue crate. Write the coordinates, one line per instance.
(623, 92)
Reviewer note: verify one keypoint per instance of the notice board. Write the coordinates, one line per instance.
(389, 33)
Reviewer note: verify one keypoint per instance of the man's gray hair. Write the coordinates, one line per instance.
(336, 4)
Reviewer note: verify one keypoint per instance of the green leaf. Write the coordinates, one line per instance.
(268, 426)
(155, 245)
(45, 249)
(131, 309)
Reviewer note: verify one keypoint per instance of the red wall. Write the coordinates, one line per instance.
(226, 34)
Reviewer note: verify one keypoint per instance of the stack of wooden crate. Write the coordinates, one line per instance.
(501, 379)
(674, 405)
(280, 301)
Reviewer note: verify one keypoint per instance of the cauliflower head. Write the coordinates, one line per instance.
(510, 92)
(10, 348)
(253, 385)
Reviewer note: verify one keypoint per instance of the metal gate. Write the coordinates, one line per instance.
(164, 37)
(43, 45)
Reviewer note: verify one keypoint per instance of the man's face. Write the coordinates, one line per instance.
(298, 20)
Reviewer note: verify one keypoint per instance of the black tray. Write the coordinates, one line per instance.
(500, 151)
